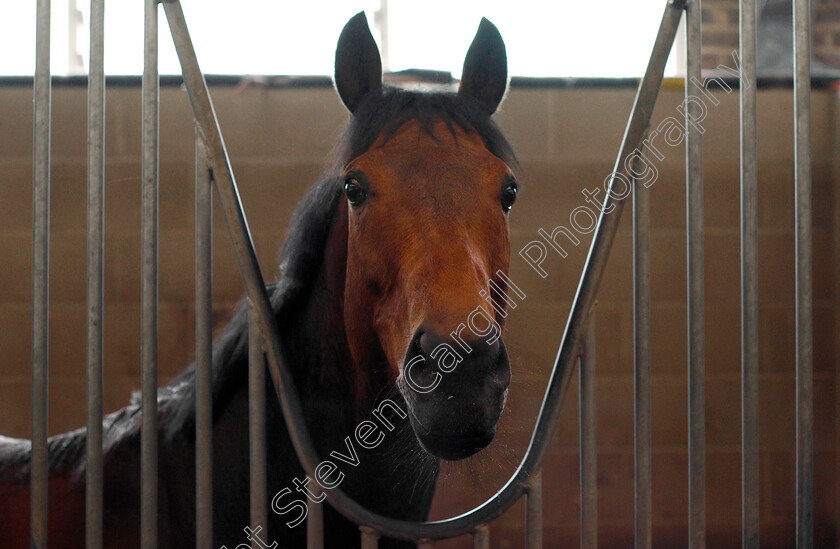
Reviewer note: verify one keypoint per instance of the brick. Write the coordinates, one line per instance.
(576, 112)
(16, 123)
(16, 267)
(824, 338)
(776, 332)
(727, 39)
(723, 339)
(822, 255)
(670, 488)
(723, 492)
(668, 338)
(776, 267)
(723, 412)
(16, 418)
(16, 206)
(669, 416)
(667, 265)
(522, 116)
(721, 270)
(296, 125)
(617, 284)
(615, 487)
(615, 412)
(722, 196)
(16, 340)
(69, 112)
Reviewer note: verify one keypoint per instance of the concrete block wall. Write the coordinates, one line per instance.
(566, 139)
(720, 31)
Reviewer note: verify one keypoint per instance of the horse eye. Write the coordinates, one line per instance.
(355, 192)
(509, 195)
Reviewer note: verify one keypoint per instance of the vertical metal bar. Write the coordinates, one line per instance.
(533, 512)
(588, 447)
(40, 277)
(149, 321)
(256, 406)
(804, 334)
(370, 539)
(203, 349)
(694, 243)
(749, 280)
(481, 537)
(95, 274)
(315, 523)
(641, 365)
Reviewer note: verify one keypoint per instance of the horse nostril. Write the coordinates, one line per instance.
(425, 344)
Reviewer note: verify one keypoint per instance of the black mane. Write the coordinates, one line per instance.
(302, 253)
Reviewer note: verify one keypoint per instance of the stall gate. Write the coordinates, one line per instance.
(213, 168)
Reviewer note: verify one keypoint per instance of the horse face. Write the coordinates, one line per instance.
(427, 233)
(428, 251)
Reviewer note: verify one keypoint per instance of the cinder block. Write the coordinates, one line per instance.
(16, 267)
(667, 265)
(776, 267)
(522, 117)
(16, 206)
(16, 123)
(669, 415)
(16, 340)
(668, 331)
(723, 412)
(722, 269)
(723, 339)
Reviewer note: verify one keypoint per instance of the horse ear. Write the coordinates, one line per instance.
(358, 67)
(484, 77)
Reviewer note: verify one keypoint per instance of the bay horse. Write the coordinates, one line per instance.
(390, 305)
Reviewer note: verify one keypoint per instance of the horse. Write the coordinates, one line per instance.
(390, 303)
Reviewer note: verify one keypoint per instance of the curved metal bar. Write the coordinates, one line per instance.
(256, 427)
(281, 377)
(588, 443)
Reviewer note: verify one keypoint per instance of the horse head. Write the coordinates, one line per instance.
(428, 249)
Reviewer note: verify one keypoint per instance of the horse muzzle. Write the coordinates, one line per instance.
(455, 391)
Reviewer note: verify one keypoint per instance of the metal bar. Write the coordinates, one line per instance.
(149, 321)
(203, 349)
(804, 334)
(40, 277)
(641, 366)
(749, 280)
(370, 539)
(315, 523)
(588, 443)
(283, 382)
(95, 275)
(533, 512)
(481, 537)
(695, 289)
(256, 424)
